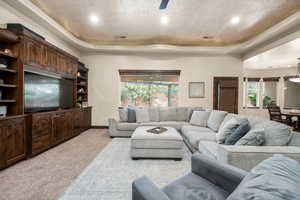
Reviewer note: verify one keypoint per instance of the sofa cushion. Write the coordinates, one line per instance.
(215, 119)
(199, 118)
(123, 114)
(240, 132)
(228, 117)
(228, 128)
(142, 115)
(295, 140)
(187, 128)
(125, 126)
(131, 115)
(209, 148)
(276, 178)
(194, 137)
(254, 137)
(181, 113)
(167, 114)
(190, 111)
(276, 134)
(154, 114)
(192, 186)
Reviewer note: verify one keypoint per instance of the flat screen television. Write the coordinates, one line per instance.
(47, 93)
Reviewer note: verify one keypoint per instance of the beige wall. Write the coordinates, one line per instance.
(280, 72)
(104, 81)
(10, 15)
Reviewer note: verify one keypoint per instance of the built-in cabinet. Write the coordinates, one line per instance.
(52, 128)
(25, 135)
(12, 140)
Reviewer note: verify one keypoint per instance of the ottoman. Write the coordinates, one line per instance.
(168, 144)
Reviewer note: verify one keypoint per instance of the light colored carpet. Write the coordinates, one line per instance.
(110, 175)
(46, 176)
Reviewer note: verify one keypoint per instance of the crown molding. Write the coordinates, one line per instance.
(276, 35)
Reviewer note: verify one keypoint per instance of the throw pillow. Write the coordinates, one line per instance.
(142, 115)
(154, 114)
(190, 111)
(123, 114)
(215, 119)
(277, 178)
(227, 129)
(199, 118)
(131, 115)
(254, 137)
(242, 130)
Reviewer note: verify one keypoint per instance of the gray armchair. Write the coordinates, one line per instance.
(209, 180)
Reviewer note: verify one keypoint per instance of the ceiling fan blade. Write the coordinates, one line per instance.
(164, 4)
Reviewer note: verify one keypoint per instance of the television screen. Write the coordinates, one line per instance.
(45, 93)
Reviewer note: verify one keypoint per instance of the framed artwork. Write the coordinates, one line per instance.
(196, 89)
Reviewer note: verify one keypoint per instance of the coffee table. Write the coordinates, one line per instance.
(168, 144)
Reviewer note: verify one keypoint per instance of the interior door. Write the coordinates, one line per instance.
(226, 94)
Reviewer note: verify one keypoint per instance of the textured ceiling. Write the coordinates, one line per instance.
(188, 20)
(283, 56)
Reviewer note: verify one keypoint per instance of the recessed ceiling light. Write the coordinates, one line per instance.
(208, 37)
(164, 20)
(235, 20)
(94, 19)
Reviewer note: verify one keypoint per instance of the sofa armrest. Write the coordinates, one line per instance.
(226, 176)
(112, 126)
(144, 189)
(247, 157)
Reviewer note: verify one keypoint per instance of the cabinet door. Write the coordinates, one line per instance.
(74, 67)
(78, 122)
(33, 52)
(44, 57)
(15, 141)
(41, 132)
(87, 118)
(52, 59)
(69, 124)
(3, 130)
(58, 128)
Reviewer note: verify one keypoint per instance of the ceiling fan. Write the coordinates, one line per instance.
(164, 4)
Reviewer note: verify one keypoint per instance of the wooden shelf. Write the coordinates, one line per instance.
(8, 101)
(82, 77)
(82, 85)
(81, 93)
(8, 70)
(8, 86)
(6, 55)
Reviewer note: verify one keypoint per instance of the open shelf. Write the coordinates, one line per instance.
(82, 77)
(7, 86)
(8, 70)
(7, 101)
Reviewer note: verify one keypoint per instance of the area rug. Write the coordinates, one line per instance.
(110, 175)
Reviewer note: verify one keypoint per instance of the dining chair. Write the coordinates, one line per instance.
(276, 115)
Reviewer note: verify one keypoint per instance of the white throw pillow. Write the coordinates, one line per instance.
(199, 118)
(142, 115)
(229, 127)
(215, 119)
(123, 114)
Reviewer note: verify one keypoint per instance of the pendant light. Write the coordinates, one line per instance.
(297, 78)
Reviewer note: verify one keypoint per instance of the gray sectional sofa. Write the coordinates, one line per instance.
(278, 137)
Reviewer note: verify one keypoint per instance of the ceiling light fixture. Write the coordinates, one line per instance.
(94, 19)
(296, 79)
(235, 20)
(164, 20)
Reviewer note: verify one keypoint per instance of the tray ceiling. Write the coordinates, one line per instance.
(184, 23)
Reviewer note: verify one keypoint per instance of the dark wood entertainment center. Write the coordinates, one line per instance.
(25, 135)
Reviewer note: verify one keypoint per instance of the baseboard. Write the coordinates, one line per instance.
(99, 127)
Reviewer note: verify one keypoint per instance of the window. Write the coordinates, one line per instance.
(252, 100)
(269, 91)
(149, 88)
(291, 94)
